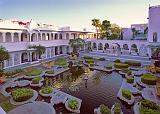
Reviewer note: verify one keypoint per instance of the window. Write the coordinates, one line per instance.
(155, 37)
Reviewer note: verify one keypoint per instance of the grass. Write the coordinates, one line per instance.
(61, 61)
(50, 72)
(121, 65)
(34, 73)
(47, 90)
(108, 67)
(36, 79)
(149, 79)
(126, 93)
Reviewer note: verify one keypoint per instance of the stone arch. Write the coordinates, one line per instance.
(56, 36)
(16, 37)
(1, 37)
(60, 36)
(60, 50)
(134, 48)
(24, 57)
(33, 37)
(106, 46)
(52, 37)
(43, 36)
(24, 37)
(125, 47)
(34, 56)
(39, 36)
(8, 37)
(56, 50)
(100, 46)
(94, 46)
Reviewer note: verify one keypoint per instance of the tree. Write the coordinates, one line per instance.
(4, 55)
(96, 23)
(156, 53)
(76, 43)
(105, 28)
(39, 50)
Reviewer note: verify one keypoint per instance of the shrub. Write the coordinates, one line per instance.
(117, 61)
(126, 93)
(47, 90)
(73, 104)
(7, 106)
(148, 107)
(104, 109)
(133, 63)
(149, 79)
(34, 73)
(61, 61)
(120, 65)
(36, 79)
(14, 72)
(87, 57)
(130, 79)
(22, 94)
(50, 72)
(108, 67)
(89, 61)
(117, 108)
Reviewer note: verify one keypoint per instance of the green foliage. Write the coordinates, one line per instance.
(130, 79)
(73, 104)
(47, 90)
(149, 79)
(108, 67)
(36, 80)
(22, 94)
(50, 72)
(61, 61)
(126, 93)
(4, 55)
(97, 24)
(117, 61)
(34, 73)
(121, 65)
(148, 107)
(104, 109)
(117, 108)
(133, 63)
(14, 72)
(87, 57)
(7, 106)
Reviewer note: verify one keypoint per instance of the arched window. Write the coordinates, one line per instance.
(33, 37)
(56, 36)
(52, 37)
(155, 37)
(16, 37)
(8, 37)
(39, 37)
(43, 36)
(60, 36)
(24, 37)
(1, 37)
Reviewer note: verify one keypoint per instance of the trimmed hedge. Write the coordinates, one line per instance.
(73, 104)
(130, 79)
(104, 109)
(22, 94)
(14, 72)
(47, 90)
(34, 73)
(89, 61)
(148, 107)
(126, 93)
(149, 79)
(117, 108)
(117, 61)
(133, 63)
(87, 57)
(120, 65)
(108, 67)
(50, 72)
(102, 59)
(36, 80)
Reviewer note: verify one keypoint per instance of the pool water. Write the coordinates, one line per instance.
(100, 88)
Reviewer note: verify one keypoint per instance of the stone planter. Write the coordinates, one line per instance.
(112, 110)
(45, 95)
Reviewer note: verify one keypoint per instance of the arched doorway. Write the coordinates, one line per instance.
(33, 37)
(43, 36)
(24, 37)
(100, 46)
(134, 48)
(8, 37)
(56, 50)
(61, 50)
(94, 46)
(16, 37)
(56, 36)
(34, 56)
(60, 36)
(106, 46)
(24, 57)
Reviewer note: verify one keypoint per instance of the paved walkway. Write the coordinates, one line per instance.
(34, 108)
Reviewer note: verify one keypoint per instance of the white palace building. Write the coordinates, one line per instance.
(17, 36)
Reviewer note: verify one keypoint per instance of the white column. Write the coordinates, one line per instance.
(12, 37)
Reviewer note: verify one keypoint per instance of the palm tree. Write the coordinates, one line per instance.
(39, 50)
(4, 55)
(96, 23)
(105, 28)
(76, 44)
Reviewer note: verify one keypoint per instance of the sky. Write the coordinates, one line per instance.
(77, 13)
